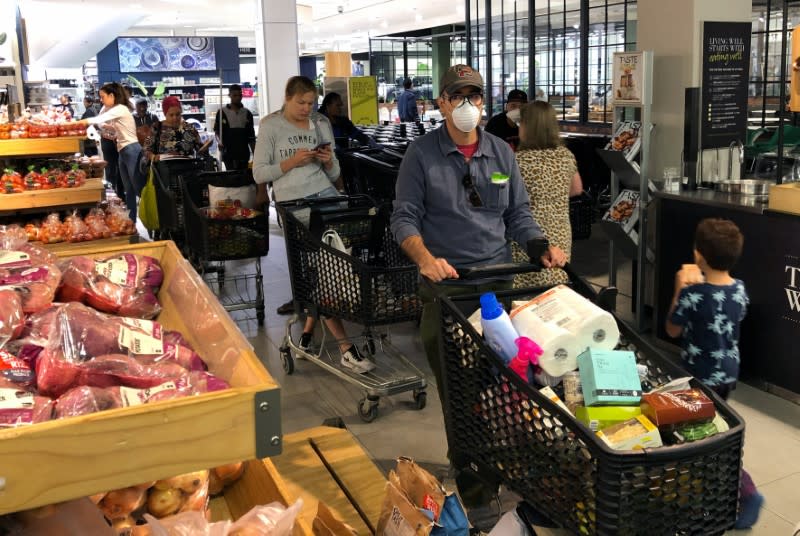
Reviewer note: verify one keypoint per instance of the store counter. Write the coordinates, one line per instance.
(769, 267)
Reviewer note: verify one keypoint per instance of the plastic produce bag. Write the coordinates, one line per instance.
(269, 520)
(148, 204)
(78, 333)
(12, 319)
(124, 284)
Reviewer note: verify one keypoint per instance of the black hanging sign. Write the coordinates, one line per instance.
(726, 68)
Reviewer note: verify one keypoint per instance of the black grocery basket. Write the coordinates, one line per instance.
(210, 242)
(375, 285)
(506, 431)
(581, 216)
(169, 178)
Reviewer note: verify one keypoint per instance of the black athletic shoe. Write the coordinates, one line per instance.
(287, 308)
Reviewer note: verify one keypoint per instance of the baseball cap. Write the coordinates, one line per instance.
(459, 76)
(517, 95)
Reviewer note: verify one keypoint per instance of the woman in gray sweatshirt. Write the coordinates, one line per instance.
(294, 151)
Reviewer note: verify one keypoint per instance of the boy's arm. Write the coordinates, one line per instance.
(689, 274)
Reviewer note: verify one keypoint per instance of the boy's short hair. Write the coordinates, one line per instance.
(719, 241)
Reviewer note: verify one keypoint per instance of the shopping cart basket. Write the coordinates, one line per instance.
(169, 178)
(506, 431)
(374, 286)
(211, 242)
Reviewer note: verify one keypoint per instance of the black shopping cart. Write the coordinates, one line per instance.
(375, 286)
(214, 237)
(504, 431)
(169, 178)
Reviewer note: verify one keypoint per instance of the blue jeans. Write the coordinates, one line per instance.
(128, 162)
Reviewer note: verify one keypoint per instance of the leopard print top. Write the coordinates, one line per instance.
(547, 174)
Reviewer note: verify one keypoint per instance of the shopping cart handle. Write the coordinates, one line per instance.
(495, 270)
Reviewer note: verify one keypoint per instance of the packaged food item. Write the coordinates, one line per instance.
(694, 432)
(633, 434)
(573, 390)
(677, 407)
(609, 378)
(549, 393)
(601, 417)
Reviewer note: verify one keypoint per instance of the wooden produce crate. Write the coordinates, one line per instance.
(90, 192)
(41, 146)
(77, 248)
(65, 459)
(318, 464)
(785, 197)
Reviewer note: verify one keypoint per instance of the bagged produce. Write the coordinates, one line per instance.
(96, 222)
(52, 230)
(124, 284)
(86, 399)
(12, 319)
(269, 520)
(78, 333)
(27, 270)
(75, 229)
(19, 407)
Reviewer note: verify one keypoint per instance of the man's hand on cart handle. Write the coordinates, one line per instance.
(554, 257)
(437, 269)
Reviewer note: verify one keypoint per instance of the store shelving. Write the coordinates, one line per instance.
(89, 193)
(40, 146)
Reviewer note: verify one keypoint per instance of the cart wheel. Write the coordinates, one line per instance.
(368, 408)
(287, 361)
(421, 398)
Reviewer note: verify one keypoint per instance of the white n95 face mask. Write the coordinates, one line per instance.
(466, 116)
(514, 116)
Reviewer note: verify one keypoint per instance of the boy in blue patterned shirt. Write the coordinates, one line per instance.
(706, 311)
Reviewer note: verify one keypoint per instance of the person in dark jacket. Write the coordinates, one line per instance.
(89, 146)
(506, 125)
(407, 103)
(343, 129)
(235, 131)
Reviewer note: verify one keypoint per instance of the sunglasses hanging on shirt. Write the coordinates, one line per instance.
(472, 192)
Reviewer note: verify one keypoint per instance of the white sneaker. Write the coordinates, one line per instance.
(353, 360)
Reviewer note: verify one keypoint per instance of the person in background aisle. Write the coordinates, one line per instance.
(294, 152)
(65, 105)
(144, 119)
(459, 199)
(551, 177)
(707, 309)
(235, 131)
(343, 129)
(505, 125)
(407, 103)
(116, 116)
(89, 146)
(173, 136)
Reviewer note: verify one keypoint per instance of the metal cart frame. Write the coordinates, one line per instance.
(374, 287)
(504, 431)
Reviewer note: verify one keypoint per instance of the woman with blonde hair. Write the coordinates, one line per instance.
(551, 177)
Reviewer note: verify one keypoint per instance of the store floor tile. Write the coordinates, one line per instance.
(310, 395)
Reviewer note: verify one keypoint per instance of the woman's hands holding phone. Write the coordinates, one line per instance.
(324, 154)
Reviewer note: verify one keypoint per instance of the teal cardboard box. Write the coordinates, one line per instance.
(609, 378)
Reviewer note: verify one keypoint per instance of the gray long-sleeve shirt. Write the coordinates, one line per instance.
(432, 202)
(278, 140)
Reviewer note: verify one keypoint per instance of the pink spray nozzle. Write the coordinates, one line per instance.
(528, 353)
(528, 350)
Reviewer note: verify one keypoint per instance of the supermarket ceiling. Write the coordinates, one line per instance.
(322, 24)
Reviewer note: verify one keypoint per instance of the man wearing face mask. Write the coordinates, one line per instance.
(459, 194)
(506, 125)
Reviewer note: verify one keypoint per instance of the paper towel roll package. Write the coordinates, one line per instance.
(600, 323)
(594, 327)
(560, 347)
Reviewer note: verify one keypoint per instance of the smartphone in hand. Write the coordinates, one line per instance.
(322, 146)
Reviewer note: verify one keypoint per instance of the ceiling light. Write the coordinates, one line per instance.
(384, 24)
(418, 17)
